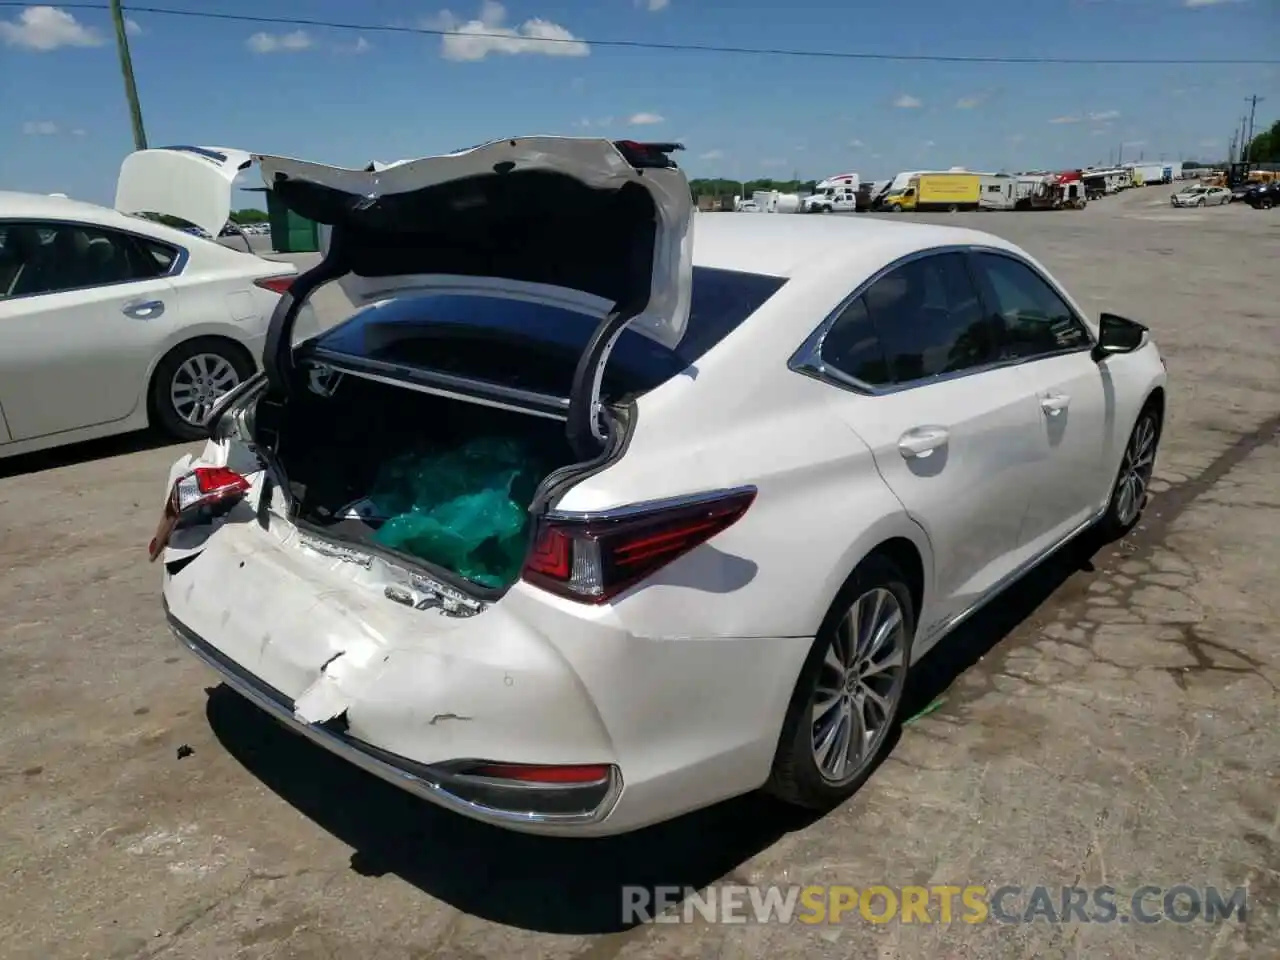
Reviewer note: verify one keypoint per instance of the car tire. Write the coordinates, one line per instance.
(877, 594)
(209, 367)
(1129, 495)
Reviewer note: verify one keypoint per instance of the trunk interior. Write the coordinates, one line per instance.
(443, 482)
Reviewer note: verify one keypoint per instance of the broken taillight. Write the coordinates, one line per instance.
(204, 492)
(280, 284)
(593, 560)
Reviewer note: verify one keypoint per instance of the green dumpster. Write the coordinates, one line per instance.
(290, 233)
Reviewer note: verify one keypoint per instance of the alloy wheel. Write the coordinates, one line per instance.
(1135, 471)
(199, 383)
(859, 686)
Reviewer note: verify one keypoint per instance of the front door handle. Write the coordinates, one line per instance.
(146, 310)
(1054, 403)
(921, 442)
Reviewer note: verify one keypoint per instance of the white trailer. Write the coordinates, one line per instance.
(774, 201)
(997, 193)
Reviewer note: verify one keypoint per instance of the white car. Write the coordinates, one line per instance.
(1200, 197)
(110, 322)
(581, 522)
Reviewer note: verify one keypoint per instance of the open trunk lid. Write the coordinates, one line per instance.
(191, 183)
(610, 221)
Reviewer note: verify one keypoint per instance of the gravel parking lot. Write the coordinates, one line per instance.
(1112, 720)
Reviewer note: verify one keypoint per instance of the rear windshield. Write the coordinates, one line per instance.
(535, 346)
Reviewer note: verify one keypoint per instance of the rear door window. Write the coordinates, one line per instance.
(48, 257)
(929, 319)
(536, 346)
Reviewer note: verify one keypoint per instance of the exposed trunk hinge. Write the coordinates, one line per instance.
(585, 427)
(277, 352)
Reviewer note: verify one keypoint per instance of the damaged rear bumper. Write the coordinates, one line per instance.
(542, 808)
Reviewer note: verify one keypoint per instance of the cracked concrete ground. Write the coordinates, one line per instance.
(1110, 720)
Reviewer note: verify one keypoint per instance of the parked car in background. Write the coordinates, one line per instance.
(110, 321)
(1263, 196)
(736, 490)
(1200, 197)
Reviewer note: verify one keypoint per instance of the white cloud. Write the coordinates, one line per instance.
(1134, 143)
(489, 33)
(280, 42)
(1104, 115)
(856, 144)
(644, 119)
(1017, 137)
(47, 28)
(1205, 3)
(968, 103)
(79, 132)
(1097, 132)
(712, 155)
(131, 27)
(40, 128)
(1065, 120)
(360, 46)
(928, 143)
(653, 6)
(906, 102)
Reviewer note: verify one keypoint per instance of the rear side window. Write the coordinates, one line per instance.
(535, 346)
(852, 347)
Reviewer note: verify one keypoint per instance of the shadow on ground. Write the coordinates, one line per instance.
(85, 452)
(556, 885)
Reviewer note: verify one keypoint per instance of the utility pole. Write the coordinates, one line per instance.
(126, 70)
(1253, 106)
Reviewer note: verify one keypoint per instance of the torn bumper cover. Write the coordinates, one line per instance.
(464, 786)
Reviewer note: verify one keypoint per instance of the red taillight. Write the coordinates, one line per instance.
(202, 487)
(593, 560)
(529, 773)
(205, 485)
(279, 284)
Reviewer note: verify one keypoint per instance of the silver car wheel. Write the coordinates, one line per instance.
(1135, 471)
(859, 686)
(199, 383)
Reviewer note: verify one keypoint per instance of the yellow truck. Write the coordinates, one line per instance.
(936, 191)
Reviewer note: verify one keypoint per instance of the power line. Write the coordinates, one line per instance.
(655, 45)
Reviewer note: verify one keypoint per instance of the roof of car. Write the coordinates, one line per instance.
(39, 206)
(786, 245)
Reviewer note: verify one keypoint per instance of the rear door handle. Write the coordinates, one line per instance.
(922, 441)
(146, 310)
(1054, 403)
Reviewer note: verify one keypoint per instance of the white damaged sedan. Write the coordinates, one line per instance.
(579, 523)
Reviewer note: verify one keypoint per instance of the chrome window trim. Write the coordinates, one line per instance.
(181, 257)
(646, 506)
(807, 360)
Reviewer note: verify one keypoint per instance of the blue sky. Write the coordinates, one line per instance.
(351, 96)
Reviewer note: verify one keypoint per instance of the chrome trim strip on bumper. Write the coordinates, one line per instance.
(423, 781)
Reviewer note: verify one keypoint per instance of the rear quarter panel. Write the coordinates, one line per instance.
(742, 418)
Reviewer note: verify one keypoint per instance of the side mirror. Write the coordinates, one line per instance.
(1117, 335)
